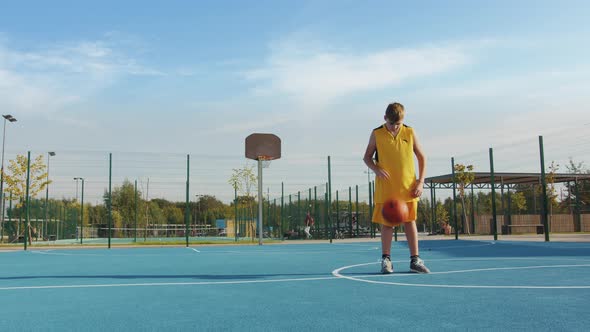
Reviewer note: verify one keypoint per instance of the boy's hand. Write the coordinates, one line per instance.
(418, 188)
(380, 172)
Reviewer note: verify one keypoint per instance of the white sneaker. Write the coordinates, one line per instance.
(386, 267)
(417, 266)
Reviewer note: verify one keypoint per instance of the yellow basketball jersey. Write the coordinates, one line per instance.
(395, 154)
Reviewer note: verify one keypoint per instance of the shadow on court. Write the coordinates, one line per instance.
(468, 248)
(171, 277)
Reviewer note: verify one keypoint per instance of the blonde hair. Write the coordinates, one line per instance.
(395, 112)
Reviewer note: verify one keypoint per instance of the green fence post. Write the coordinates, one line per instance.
(136, 205)
(578, 224)
(502, 199)
(492, 181)
(370, 216)
(337, 226)
(282, 209)
(330, 199)
(432, 209)
(298, 208)
(454, 199)
(315, 207)
(327, 232)
(435, 203)
(274, 215)
(290, 214)
(10, 209)
(186, 209)
(356, 215)
(110, 200)
(308, 208)
(350, 210)
(82, 216)
(27, 226)
(235, 214)
(270, 221)
(544, 215)
(472, 209)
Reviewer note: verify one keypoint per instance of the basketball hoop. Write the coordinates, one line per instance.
(265, 160)
(262, 148)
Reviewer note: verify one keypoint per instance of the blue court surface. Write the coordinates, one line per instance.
(475, 285)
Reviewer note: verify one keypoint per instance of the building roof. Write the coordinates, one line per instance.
(484, 179)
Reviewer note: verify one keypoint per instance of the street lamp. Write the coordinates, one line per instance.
(49, 154)
(81, 209)
(11, 119)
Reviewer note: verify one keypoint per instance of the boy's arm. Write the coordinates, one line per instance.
(421, 166)
(368, 158)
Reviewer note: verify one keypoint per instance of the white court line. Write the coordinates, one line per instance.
(451, 247)
(106, 254)
(246, 252)
(269, 252)
(169, 283)
(337, 273)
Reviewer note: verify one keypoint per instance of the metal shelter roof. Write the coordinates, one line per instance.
(484, 179)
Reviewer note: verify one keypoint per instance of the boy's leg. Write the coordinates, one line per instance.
(416, 264)
(412, 237)
(386, 236)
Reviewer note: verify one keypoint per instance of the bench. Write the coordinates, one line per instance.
(507, 229)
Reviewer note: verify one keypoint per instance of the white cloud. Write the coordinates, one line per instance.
(95, 58)
(319, 75)
(268, 123)
(50, 78)
(20, 94)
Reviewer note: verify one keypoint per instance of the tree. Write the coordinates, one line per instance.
(424, 211)
(464, 176)
(442, 214)
(518, 201)
(124, 202)
(578, 191)
(97, 215)
(243, 181)
(16, 180)
(550, 185)
(173, 215)
(16, 177)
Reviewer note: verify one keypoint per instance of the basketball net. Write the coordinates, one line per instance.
(265, 161)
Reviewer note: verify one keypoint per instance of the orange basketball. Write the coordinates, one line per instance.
(395, 212)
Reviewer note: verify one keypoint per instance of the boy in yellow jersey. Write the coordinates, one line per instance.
(393, 146)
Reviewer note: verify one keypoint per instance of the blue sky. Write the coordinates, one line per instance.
(196, 77)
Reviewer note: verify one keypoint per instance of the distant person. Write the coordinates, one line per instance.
(308, 224)
(394, 145)
(446, 228)
(32, 233)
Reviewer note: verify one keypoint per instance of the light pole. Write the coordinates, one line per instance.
(49, 154)
(11, 119)
(81, 209)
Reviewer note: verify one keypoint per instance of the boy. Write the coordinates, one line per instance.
(394, 146)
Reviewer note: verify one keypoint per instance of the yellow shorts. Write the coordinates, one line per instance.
(378, 217)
